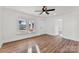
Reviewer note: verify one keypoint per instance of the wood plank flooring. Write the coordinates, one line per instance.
(46, 44)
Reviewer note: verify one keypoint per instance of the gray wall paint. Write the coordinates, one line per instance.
(50, 24)
(70, 25)
(71, 28)
(1, 27)
(10, 25)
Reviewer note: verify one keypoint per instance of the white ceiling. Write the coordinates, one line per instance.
(60, 10)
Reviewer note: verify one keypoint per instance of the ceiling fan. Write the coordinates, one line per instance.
(44, 9)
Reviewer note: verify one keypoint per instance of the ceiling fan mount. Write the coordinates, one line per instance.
(46, 10)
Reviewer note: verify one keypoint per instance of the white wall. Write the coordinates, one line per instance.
(50, 26)
(43, 25)
(70, 25)
(10, 25)
(1, 30)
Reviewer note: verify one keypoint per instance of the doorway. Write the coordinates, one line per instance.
(59, 27)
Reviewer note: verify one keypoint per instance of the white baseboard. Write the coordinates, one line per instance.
(20, 38)
(52, 34)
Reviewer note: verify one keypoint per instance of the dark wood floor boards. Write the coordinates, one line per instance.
(46, 44)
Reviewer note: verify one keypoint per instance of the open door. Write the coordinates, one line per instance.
(59, 27)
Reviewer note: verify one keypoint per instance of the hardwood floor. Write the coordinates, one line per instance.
(43, 44)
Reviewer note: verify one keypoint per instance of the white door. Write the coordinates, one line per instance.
(59, 27)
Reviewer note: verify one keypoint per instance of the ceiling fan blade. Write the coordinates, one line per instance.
(51, 10)
(47, 13)
(41, 12)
